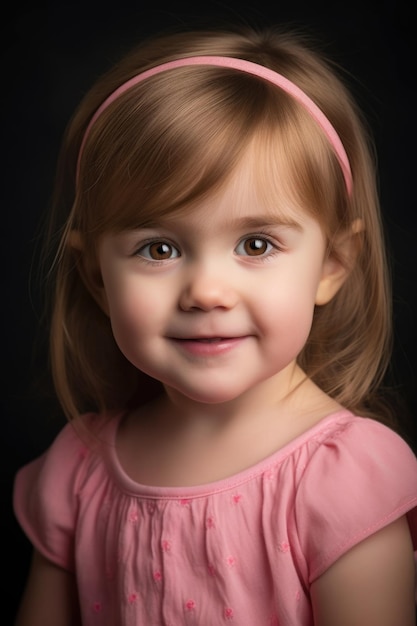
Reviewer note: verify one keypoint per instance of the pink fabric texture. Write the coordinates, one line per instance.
(243, 550)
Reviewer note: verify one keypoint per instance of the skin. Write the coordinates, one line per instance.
(216, 304)
(50, 597)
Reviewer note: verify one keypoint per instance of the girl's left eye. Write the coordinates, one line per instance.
(158, 251)
(254, 246)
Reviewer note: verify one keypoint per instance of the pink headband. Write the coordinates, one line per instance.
(249, 68)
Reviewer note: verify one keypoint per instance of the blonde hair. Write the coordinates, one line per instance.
(164, 144)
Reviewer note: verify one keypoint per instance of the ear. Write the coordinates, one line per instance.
(339, 262)
(88, 268)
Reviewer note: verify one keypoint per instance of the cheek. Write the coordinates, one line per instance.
(129, 309)
(290, 335)
(298, 328)
(294, 317)
(288, 314)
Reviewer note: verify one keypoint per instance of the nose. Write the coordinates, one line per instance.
(208, 287)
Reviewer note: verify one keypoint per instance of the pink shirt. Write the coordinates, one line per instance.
(243, 550)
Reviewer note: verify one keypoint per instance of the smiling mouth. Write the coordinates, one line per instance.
(206, 339)
(208, 347)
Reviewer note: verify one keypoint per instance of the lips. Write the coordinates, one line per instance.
(206, 339)
(207, 346)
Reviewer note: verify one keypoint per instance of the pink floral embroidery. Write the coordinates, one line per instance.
(157, 576)
(231, 561)
(166, 545)
(132, 597)
(151, 508)
(210, 522)
(190, 605)
(284, 546)
(237, 498)
(97, 607)
(228, 613)
(133, 516)
(83, 452)
(211, 569)
(297, 596)
(184, 501)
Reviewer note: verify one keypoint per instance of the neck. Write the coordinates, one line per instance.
(270, 395)
(178, 441)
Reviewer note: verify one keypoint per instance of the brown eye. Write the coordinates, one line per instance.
(254, 246)
(158, 251)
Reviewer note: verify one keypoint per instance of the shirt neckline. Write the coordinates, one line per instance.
(130, 486)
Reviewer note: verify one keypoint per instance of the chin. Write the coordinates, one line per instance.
(207, 396)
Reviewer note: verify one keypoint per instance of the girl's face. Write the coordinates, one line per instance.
(217, 300)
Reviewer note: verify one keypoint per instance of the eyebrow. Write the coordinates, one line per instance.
(241, 223)
(260, 221)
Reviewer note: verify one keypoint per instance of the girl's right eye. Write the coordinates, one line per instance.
(158, 251)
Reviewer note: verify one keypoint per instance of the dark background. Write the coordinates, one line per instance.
(51, 53)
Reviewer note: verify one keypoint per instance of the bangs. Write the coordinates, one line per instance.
(178, 141)
(181, 140)
(296, 166)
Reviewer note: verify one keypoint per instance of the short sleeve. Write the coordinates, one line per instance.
(45, 498)
(359, 479)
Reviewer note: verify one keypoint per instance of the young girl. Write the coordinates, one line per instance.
(219, 332)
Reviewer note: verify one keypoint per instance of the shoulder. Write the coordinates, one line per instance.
(360, 477)
(351, 444)
(45, 493)
(64, 458)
